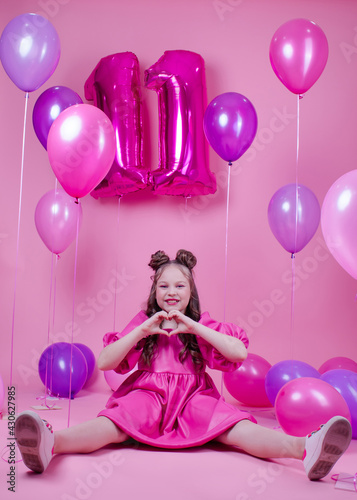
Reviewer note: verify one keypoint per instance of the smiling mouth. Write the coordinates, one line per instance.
(171, 301)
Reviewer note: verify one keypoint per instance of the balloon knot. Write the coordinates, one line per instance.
(293, 256)
(300, 96)
(230, 163)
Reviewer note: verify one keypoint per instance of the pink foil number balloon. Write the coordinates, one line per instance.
(298, 54)
(56, 217)
(114, 86)
(339, 221)
(178, 77)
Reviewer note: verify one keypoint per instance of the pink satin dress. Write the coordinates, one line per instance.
(169, 404)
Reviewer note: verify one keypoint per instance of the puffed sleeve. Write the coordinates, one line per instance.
(131, 359)
(214, 358)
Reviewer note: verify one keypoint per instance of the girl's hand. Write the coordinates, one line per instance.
(153, 325)
(184, 324)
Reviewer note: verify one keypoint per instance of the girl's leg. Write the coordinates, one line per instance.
(263, 442)
(88, 436)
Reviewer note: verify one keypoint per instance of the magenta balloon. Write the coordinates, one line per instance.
(29, 51)
(63, 369)
(179, 79)
(298, 54)
(282, 372)
(247, 383)
(345, 382)
(339, 221)
(114, 86)
(48, 106)
(56, 217)
(114, 379)
(303, 404)
(81, 148)
(230, 124)
(293, 230)
(339, 362)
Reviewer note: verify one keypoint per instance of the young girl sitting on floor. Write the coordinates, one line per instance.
(170, 401)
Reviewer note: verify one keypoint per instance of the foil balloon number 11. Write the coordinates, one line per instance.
(178, 77)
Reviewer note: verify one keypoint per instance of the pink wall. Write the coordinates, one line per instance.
(233, 36)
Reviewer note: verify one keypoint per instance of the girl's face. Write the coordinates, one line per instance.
(173, 290)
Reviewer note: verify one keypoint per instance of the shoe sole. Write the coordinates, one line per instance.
(335, 442)
(28, 436)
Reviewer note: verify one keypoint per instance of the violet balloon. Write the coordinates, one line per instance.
(298, 54)
(81, 148)
(230, 124)
(303, 404)
(246, 384)
(283, 372)
(178, 77)
(48, 106)
(29, 51)
(90, 358)
(57, 217)
(339, 221)
(345, 382)
(63, 369)
(293, 228)
(114, 87)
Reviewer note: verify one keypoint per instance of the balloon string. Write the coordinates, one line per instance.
(74, 294)
(226, 243)
(297, 169)
(292, 312)
(116, 266)
(18, 237)
(226, 255)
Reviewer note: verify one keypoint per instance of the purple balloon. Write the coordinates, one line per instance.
(63, 369)
(345, 381)
(29, 51)
(230, 124)
(281, 373)
(294, 229)
(48, 106)
(90, 358)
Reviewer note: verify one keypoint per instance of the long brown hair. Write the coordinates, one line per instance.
(185, 261)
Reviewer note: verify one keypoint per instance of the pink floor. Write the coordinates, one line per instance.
(131, 472)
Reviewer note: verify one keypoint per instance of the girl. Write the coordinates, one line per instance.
(170, 401)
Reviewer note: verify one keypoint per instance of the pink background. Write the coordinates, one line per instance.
(233, 37)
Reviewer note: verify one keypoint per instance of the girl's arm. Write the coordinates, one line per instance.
(230, 347)
(113, 354)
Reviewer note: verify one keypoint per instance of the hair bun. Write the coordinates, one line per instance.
(186, 258)
(158, 259)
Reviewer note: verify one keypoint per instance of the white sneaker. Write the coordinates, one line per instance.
(35, 440)
(325, 446)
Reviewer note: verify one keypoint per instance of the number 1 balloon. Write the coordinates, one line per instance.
(29, 51)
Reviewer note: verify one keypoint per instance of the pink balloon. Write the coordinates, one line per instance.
(294, 229)
(303, 404)
(56, 218)
(298, 54)
(114, 379)
(339, 221)
(81, 148)
(179, 80)
(29, 51)
(247, 384)
(230, 124)
(114, 86)
(338, 363)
